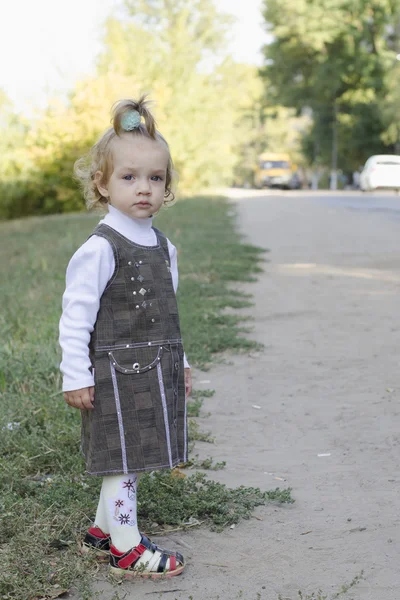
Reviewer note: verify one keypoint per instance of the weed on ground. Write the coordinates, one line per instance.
(320, 595)
(195, 403)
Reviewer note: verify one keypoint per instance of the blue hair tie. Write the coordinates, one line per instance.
(131, 120)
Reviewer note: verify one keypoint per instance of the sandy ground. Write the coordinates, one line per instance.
(327, 310)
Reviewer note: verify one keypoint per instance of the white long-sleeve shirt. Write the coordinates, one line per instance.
(88, 273)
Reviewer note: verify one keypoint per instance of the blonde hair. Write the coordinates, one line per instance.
(99, 158)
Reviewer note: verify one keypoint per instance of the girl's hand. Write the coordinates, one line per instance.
(188, 382)
(82, 398)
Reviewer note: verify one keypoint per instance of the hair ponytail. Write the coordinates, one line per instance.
(122, 109)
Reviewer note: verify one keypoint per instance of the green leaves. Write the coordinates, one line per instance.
(334, 52)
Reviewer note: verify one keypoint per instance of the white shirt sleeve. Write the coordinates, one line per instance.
(173, 255)
(88, 273)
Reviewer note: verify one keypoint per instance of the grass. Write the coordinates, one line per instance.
(46, 501)
(180, 501)
(207, 464)
(195, 403)
(320, 595)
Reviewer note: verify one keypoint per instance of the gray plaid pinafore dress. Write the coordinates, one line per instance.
(139, 418)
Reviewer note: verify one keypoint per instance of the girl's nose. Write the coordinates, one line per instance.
(143, 186)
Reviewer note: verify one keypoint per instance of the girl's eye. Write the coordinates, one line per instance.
(128, 177)
(156, 178)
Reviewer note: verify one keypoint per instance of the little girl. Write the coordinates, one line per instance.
(123, 363)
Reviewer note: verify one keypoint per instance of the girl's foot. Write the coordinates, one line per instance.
(146, 560)
(97, 542)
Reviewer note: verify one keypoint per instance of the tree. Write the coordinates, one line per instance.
(176, 51)
(332, 56)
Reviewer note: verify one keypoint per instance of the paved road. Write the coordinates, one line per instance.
(387, 204)
(327, 310)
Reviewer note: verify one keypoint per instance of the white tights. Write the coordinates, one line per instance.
(117, 510)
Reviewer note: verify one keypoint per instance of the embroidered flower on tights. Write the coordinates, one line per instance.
(119, 503)
(124, 519)
(130, 485)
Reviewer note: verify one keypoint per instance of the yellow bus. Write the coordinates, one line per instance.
(276, 170)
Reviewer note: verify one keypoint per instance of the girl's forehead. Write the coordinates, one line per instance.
(138, 149)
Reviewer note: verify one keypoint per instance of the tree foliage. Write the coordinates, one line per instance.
(336, 57)
(174, 50)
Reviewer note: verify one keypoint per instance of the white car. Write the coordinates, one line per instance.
(381, 171)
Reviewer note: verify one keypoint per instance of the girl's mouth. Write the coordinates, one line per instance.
(143, 204)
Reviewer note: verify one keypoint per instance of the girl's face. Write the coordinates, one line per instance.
(137, 184)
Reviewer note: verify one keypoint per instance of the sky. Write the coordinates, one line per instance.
(47, 45)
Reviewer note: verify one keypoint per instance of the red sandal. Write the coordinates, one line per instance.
(129, 564)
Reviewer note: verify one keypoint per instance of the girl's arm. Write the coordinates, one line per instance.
(88, 273)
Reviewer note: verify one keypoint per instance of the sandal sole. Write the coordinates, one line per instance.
(122, 573)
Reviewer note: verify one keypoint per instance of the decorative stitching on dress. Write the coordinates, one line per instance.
(185, 457)
(165, 410)
(152, 468)
(139, 345)
(115, 253)
(120, 423)
(148, 248)
(144, 369)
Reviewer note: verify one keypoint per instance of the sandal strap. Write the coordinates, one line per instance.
(99, 533)
(130, 558)
(149, 544)
(165, 555)
(163, 562)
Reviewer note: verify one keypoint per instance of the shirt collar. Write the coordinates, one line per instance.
(131, 228)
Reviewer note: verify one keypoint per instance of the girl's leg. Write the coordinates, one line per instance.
(119, 510)
(97, 539)
(101, 514)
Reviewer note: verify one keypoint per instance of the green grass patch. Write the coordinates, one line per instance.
(196, 402)
(177, 501)
(45, 500)
(207, 464)
(196, 435)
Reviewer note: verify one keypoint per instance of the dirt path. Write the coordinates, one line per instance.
(327, 310)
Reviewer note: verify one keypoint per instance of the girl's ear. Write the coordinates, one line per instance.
(98, 179)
